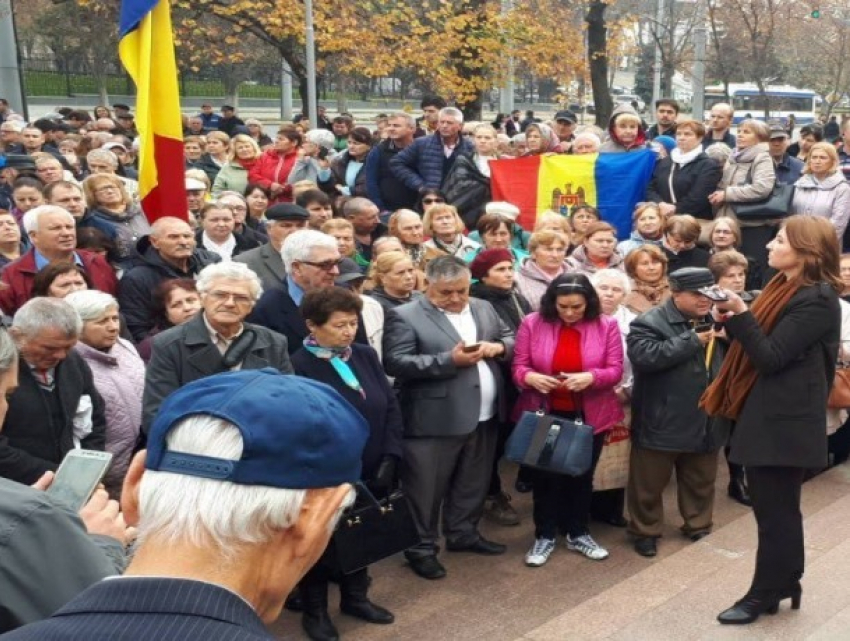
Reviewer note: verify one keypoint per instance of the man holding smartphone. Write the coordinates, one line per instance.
(673, 352)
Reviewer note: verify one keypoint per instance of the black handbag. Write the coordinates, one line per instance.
(551, 443)
(776, 205)
(372, 530)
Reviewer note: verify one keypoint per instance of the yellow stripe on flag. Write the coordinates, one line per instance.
(566, 181)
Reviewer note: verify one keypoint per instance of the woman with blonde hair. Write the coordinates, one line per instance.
(445, 227)
(774, 385)
(648, 228)
(233, 175)
(108, 201)
(394, 276)
(597, 251)
(822, 190)
(553, 221)
(546, 261)
(647, 269)
(215, 154)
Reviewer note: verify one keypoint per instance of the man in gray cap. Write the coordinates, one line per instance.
(282, 219)
(675, 355)
(564, 126)
(788, 169)
(233, 505)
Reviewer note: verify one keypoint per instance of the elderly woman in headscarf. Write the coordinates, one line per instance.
(540, 139)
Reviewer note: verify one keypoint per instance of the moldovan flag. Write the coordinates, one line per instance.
(613, 183)
(147, 51)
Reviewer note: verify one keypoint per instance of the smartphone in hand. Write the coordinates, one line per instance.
(78, 476)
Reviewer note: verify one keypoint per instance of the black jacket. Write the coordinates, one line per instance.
(339, 165)
(670, 377)
(692, 184)
(384, 189)
(244, 242)
(207, 165)
(467, 189)
(390, 302)
(148, 270)
(511, 306)
(186, 353)
(30, 442)
(783, 421)
(696, 257)
(379, 407)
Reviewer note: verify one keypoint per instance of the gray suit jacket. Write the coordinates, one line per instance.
(186, 353)
(438, 398)
(266, 263)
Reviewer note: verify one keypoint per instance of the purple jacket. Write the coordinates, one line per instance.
(119, 376)
(601, 355)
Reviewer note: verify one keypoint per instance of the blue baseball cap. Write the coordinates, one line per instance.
(297, 433)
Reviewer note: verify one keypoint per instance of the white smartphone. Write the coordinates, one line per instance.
(78, 476)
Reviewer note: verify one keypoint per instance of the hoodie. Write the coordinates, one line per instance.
(614, 144)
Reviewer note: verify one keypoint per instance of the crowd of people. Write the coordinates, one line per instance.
(427, 321)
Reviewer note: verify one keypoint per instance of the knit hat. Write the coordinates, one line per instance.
(488, 259)
(505, 210)
(667, 141)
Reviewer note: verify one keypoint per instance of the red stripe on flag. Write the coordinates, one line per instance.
(168, 197)
(515, 181)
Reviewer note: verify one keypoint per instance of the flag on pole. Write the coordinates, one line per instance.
(613, 183)
(147, 50)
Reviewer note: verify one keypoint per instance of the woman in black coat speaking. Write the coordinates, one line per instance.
(774, 384)
(329, 355)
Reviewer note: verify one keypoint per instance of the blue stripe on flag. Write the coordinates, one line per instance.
(621, 181)
(132, 12)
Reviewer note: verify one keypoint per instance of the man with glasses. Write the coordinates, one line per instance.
(216, 340)
(169, 251)
(311, 260)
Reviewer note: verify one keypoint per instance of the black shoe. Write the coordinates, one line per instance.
(366, 610)
(428, 567)
(318, 626)
(698, 536)
(645, 546)
(294, 602)
(752, 606)
(523, 487)
(479, 546)
(738, 489)
(614, 520)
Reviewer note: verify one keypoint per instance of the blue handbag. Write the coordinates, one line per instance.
(551, 443)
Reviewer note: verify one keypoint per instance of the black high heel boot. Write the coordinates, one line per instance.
(738, 489)
(315, 620)
(354, 599)
(757, 603)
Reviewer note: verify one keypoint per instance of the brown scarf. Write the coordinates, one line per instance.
(655, 293)
(727, 394)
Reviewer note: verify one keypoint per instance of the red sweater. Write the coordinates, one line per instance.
(18, 276)
(567, 359)
(272, 167)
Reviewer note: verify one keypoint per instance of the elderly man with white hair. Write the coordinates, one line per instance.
(232, 505)
(119, 376)
(53, 233)
(54, 385)
(311, 260)
(216, 340)
(427, 161)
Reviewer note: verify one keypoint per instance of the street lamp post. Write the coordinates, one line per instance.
(312, 112)
(700, 37)
(11, 79)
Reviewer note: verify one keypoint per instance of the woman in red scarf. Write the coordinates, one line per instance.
(273, 167)
(774, 385)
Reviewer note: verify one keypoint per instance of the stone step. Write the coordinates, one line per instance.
(678, 597)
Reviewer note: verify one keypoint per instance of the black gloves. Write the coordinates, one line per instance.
(386, 476)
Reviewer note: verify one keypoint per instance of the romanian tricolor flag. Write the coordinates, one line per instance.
(614, 183)
(147, 51)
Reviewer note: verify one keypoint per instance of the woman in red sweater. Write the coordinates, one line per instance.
(272, 168)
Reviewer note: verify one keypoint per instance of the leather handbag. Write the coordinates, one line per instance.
(551, 443)
(776, 205)
(372, 530)
(839, 395)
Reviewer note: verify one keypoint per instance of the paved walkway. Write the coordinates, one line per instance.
(672, 597)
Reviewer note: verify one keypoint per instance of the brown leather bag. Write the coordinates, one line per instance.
(839, 396)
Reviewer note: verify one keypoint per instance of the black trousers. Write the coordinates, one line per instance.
(561, 502)
(775, 493)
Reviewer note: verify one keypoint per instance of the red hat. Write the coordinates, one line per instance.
(488, 259)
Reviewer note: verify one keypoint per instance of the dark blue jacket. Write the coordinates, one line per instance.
(423, 164)
(788, 170)
(383, 187)
(150, 607)
(379, 406)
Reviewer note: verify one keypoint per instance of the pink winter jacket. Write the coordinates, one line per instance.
(601, 355)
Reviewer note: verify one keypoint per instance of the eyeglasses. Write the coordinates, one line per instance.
(239, 299)
(325, 265)
(432, 201)
(106, 188)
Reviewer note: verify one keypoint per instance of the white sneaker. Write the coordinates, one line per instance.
(585, 545)
(539, 552)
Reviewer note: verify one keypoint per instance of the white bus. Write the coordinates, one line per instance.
(782, 101)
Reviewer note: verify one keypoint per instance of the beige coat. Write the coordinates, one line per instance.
(748, 176)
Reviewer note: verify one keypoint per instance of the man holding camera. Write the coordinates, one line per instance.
(675, 352)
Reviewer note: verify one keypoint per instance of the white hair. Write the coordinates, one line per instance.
(103, 154)
(91, 304)
(203, 512)
(17, 125)
(409, 120)
(598, 277)
(299, 245)
(230, 271)
(41, 313)
(32, 217)
(452, 112)
(231, 194)
(588, 135)
(321, 137)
